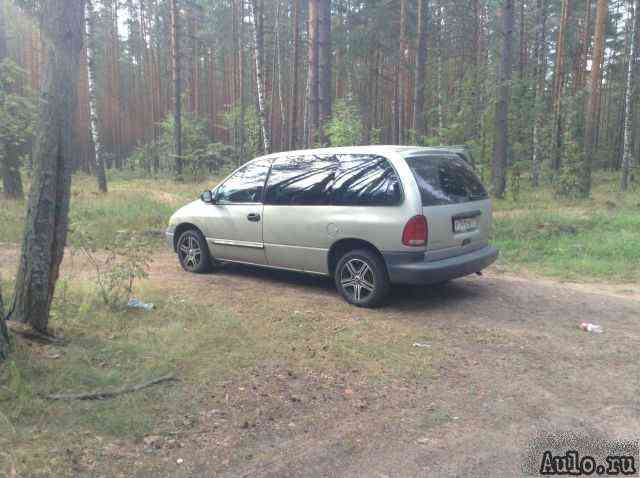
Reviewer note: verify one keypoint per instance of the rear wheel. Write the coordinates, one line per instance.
(193, 252)
(361, 278)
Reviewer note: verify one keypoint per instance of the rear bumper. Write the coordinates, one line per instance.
(405, 269)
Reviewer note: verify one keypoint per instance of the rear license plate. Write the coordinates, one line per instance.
(467, 224)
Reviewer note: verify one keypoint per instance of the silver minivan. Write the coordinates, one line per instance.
(365, 216)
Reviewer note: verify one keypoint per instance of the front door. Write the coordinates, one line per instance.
(234, 231)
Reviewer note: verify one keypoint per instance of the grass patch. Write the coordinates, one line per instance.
(583, 241)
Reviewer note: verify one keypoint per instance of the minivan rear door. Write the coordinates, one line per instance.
(455, 203)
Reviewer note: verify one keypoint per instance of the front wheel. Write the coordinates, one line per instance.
(193, 252)
(361, 278)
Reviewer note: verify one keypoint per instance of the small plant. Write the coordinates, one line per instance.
(118, 266)
(345, 126)
(567, 183)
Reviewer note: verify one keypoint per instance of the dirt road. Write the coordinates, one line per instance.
(509, 362)
(514, 364)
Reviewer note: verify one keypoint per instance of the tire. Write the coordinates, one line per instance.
(361, 278)
(193, 252)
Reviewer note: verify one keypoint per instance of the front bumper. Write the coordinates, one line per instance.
(405, 269)
(169, 238)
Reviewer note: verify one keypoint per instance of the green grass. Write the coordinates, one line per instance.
(135, 205)
(584, 241)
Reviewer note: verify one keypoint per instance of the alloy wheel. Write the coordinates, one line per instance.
(190, 252)
(357, 279)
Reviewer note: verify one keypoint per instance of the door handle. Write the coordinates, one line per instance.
(253, 217)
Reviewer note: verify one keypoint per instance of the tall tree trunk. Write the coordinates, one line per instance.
(9, 154)
(324, 73)
(4, 332)
(258, 48)
(240, 80)
(501, 143)
(403, 74)
(594, 97)
(177, 88)
(313, 74)
(580, 59)
(558, 86)
(293, 122)
(46, 224)
(627, 153)
(93, 98)
(418, 122)
(541, 74)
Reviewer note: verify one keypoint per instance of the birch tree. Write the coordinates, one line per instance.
(627, 152)
(258, 55)
(93, 98)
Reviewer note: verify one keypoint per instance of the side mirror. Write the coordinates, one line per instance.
(207, 197)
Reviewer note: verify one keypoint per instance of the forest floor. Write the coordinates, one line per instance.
(278, 376)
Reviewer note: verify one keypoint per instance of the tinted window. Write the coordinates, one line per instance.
(365, 180)
(445, 180)
(246, 184)
(301, 180)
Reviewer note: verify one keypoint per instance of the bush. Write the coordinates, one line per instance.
(117, 267)
(201, 157)
(345, 126)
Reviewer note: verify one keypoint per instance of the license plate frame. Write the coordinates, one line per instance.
(464, 225)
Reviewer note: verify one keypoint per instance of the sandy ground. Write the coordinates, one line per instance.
(514, 364)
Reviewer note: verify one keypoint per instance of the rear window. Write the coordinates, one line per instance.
(445, 180)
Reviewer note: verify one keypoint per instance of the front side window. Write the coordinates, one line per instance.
(245, 185)
(365, 180)
(301, 180)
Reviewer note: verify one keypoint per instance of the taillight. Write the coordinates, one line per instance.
(416, 232)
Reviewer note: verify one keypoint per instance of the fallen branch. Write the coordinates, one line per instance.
(114, 393)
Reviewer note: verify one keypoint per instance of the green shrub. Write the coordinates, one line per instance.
(345, 126)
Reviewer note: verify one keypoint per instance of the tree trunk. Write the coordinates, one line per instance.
(558, 86)
(258, 47)
(4, 332)
(418, 122)
(293, 122)
(541, 74)
(580, 59)
(403, 73)
(594, 97)
(627, 152)
(46, 223)
(177, 88)
(93, 98)
(313, 78)
(9, 154)
(501, 143)
(324, 69)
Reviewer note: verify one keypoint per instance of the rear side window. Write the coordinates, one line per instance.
(344, 180)
(445, 180)
(301, 180)
(365, 180)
